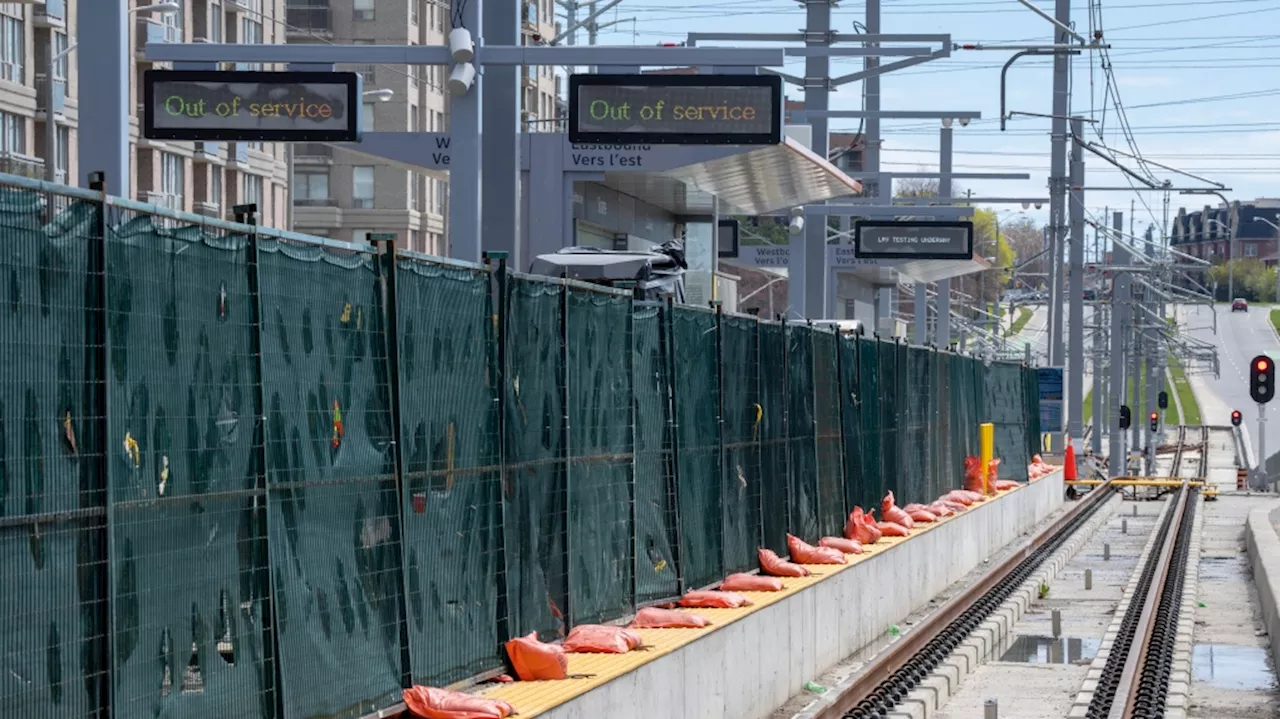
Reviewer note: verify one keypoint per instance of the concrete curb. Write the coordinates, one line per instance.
(1263, 547)
(1179, 696)
(990, 639)
(1081, 706)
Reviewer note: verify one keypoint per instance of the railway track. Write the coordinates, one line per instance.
(1135, 681)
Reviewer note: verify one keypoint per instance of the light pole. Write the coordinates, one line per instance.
(382, 94)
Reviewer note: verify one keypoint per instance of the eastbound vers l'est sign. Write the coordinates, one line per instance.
(675, 109)
(239, 105)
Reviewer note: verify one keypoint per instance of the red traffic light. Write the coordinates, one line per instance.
(1262, 365)
(1154, 416)
(1235, 418)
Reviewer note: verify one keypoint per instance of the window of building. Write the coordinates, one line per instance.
(366, 116)
(414, 180)
(12, 48)
(64, 150)
(60, 46)
(413, 241)
(251, 190)
(215, 21)
(310, 186)
(251, 29)
(442, 196)
(413, 16)
(362, 187)
(1250, 250)
(215, 186)
(13, 134)
(172, 176)
(173, 23)
(362, 9)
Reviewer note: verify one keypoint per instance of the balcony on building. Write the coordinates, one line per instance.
(206, 151)
(167, 200)
(153, 32)
(12, 163)
(50, 14)
(312, 153)
(59, 97)
(305, 19)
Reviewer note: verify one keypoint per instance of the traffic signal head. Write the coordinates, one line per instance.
(1155, 421)
(1163, 400)
(1125, 417)
(1235, 418)
(1262, 379)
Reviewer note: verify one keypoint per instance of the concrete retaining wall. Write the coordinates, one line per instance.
(1264, 557)
(749, 668)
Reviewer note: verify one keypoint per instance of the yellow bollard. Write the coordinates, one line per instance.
(986, 448)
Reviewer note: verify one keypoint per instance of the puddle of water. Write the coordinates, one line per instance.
(1231, 667)
(1037, 649)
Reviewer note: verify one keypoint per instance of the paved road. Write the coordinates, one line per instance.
(1241, 336)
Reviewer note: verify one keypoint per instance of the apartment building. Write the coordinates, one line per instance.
(207, 178)
(345, 195)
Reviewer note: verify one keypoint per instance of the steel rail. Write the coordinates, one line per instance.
(1128, 686)
(913, 644)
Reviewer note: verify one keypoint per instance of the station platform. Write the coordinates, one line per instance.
(751, 660)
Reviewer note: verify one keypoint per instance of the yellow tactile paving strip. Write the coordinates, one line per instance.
(533, 698)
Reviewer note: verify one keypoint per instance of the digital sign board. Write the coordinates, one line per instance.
(918, 240)
(675, 109)
(251, 106)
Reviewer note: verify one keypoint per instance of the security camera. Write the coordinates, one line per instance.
(1037, 205)
(964, 122)
(460, 45)
(797, 212)
(461, 79)
(796, 226)
(1027, 206)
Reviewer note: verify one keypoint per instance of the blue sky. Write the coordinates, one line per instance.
(1197, 78)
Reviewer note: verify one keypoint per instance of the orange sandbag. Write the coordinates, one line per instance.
(869, 521)
(601, 639)
(959, 496)
(973, 474)
(1006, 484)
(775, 566)
(922, 515)
(893, 513)
(714, 600)
(892, 529)
(975, 496)
(845, 546)
(433, 703)
(940, 509)
(750, 583)
(805, 553)
(856, 528)
(655, 618)
(993, 469)
(535, 660)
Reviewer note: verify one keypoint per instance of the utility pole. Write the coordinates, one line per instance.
(1058, 171)
(1120, 298)
(817, 73)
(1075, 365)
(944, 190)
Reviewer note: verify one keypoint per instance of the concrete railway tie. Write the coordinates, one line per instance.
(987, 640)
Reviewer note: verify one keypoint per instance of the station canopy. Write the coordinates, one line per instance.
(757, 181)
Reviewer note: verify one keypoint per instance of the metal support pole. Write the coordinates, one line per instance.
(871, 103)
(1120, 293)
(1262, 442)
(465, 189)
(944, 190)
(500, 226)
(920, 332)
(1075, 363)
(817, 70)
(104, 60)
(1058, 172)
(990, 709)
(1099, 386)
(50, 117)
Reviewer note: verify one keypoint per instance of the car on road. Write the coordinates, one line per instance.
(1239, 305)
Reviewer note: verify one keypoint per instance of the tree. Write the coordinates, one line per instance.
(1254, 281)
(1027, 241)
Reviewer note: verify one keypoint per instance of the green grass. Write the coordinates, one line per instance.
(1137, 408)
(1190, 408)
(1024, 316)
(1275, 319)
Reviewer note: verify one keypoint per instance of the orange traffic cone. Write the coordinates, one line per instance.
(1069, 462)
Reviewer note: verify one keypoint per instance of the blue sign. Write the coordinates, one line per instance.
(1049, 383)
